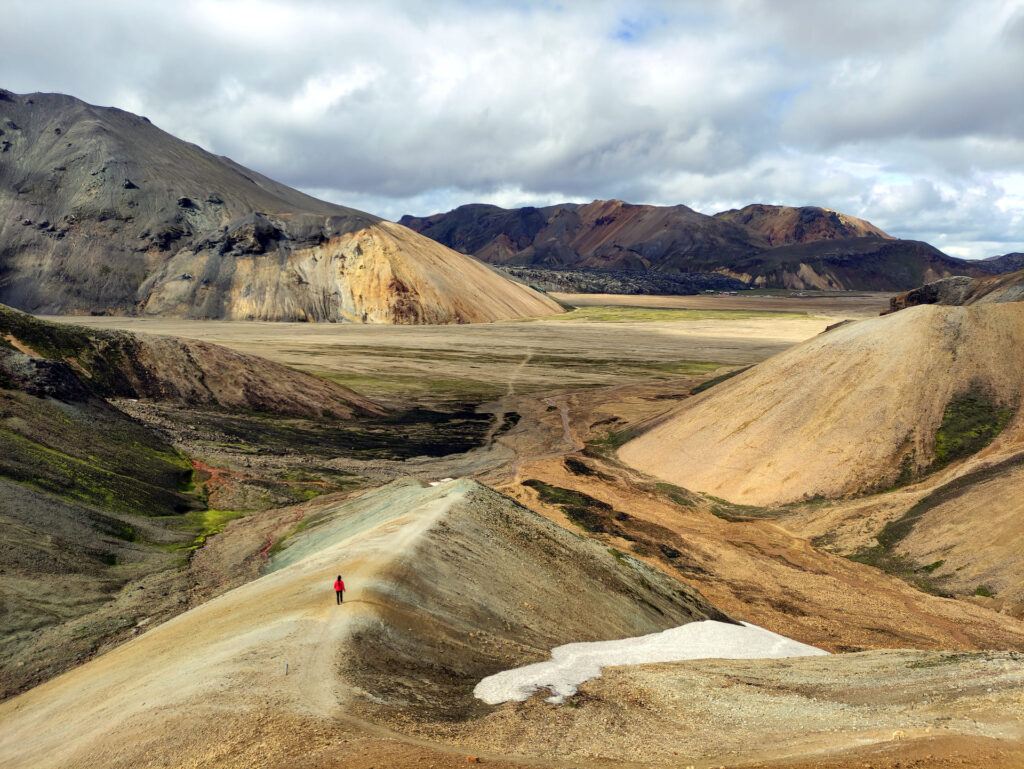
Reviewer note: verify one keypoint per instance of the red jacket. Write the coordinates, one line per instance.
(339, 586)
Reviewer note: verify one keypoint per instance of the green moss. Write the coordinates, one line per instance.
(897, 530)
(899, 566)
(415, 387)
(122, 531)
(605, 446)
(970, 422)
(618, 556)
(72, 477)
(984, 590)
(208, 523)
(52, 340)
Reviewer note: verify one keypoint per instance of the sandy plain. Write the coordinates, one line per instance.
(680, 336)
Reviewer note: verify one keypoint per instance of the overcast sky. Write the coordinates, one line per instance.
(909, 113)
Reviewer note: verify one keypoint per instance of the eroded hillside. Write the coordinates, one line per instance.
(102, 212)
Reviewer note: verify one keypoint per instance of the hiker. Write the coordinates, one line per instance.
(339, 587)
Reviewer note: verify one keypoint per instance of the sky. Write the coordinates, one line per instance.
(909, 114)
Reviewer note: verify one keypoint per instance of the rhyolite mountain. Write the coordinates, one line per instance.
(102, 212)
(764, 246)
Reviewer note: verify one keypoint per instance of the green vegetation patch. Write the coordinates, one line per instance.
(605, 446)
(416, 387)
(626, 314)
(278, 546)
(899, 566)
(897, 530)
(209, 522)
(71, 477)
(52, 340)
(971, 421)
(882, 556)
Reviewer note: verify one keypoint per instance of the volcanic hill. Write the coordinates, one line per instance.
(764, 246)
(449, 584)
(856, 409)
(99, 508)
(102, 212)
(446, 585)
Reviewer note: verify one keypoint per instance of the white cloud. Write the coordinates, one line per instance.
(909, 114)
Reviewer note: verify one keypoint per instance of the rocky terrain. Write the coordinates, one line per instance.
(963, 290)
(1005, 263)
(786, 225)
(894, 441)
(102, 212)
(182, 372)
(760, 245)
(445, 585)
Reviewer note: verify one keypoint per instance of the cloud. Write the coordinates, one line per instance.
(909, 114)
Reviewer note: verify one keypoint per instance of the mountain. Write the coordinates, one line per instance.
(905, 433)
(606, 234)
(764, 246)
(1000, 264)
(102, 212)
(863, 264)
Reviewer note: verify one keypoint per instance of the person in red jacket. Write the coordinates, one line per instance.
(339, 587)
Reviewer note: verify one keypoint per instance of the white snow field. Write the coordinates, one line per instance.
(572, 664)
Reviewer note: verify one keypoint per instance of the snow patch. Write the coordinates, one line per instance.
(572, 664)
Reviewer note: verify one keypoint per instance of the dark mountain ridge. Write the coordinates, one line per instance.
(764, 246)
